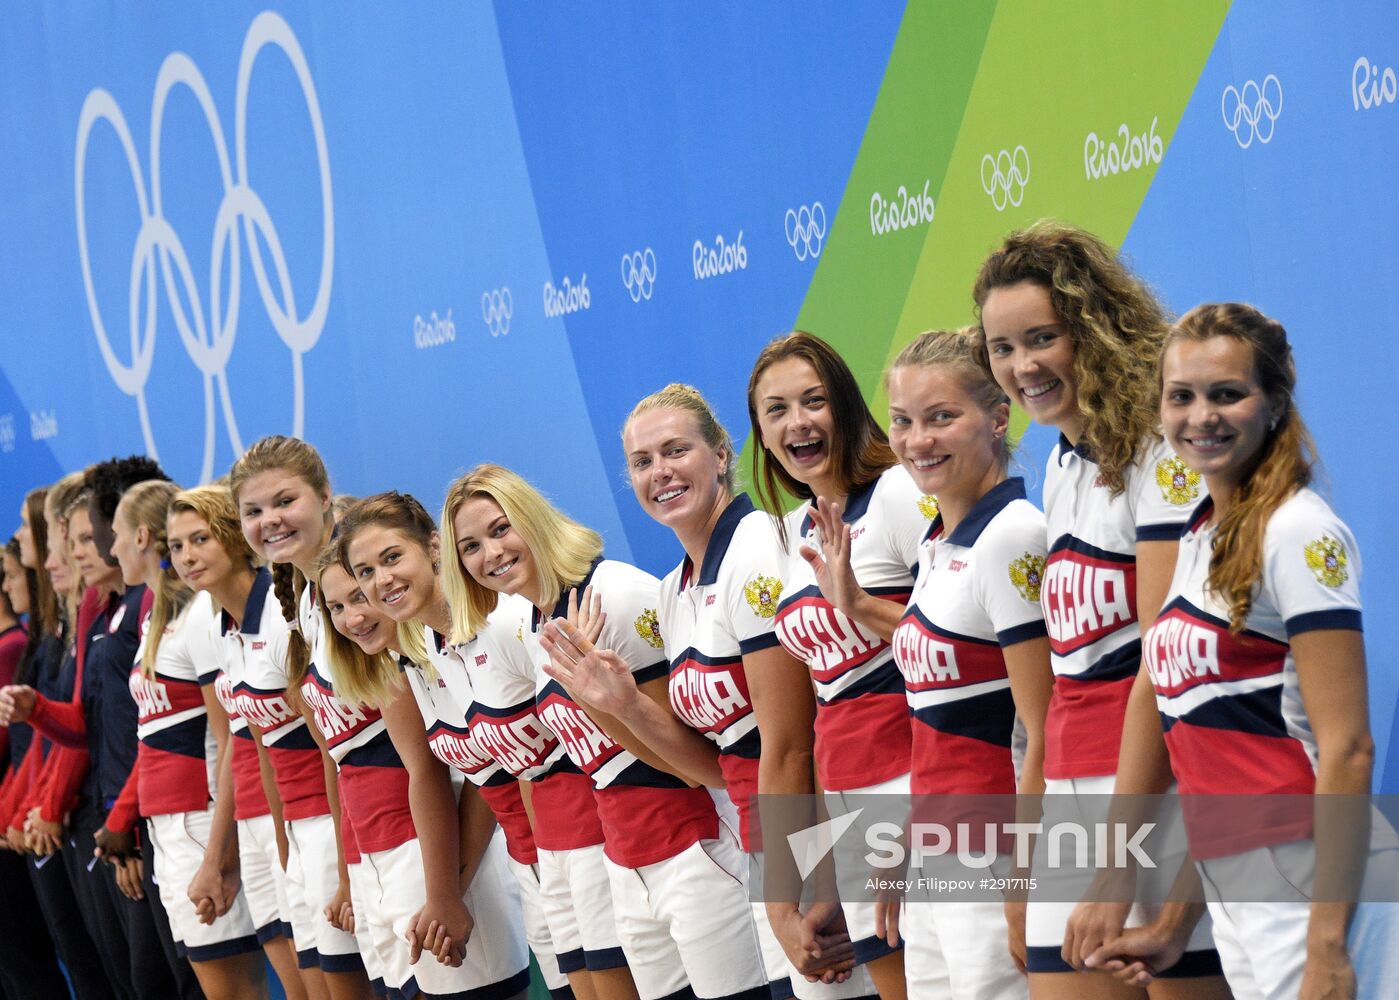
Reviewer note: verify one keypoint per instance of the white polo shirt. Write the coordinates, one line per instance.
(859, 693)
(647, 815)
(1090, 594)
(710, 618)
(1230, 704)
(978, 591)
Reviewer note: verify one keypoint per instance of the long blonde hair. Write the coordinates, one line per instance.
(359, 677)
(1284, 464)
(301, 460)
(1116, 326)
(146, 505)
(563, 550)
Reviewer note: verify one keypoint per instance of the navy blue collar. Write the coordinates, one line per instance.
(856, 504)
(995, 500)
(257, 599)
(1081, 449)
(561, 605)
(719, 539)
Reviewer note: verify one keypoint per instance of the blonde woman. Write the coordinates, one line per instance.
(665, 847)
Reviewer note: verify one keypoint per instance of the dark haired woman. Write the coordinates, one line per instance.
(854, 545)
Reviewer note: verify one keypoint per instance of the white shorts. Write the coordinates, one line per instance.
(497, 958)
(179, 840)
(1263, 945)
(784, 981)
(958, 950)
(313, 879)
(859, 916)
(689, 915)
(1046, 920)
(264, 882)
(537, 925)
(360, 899)
(577, 898)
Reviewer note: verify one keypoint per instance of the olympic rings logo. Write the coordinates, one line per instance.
(806, 229)
(1251, 112)
(497, 307)
(639, 273)
(1004, 177)
(208, 336)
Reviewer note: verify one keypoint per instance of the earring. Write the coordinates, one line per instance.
(435, 566)
(1273, 424)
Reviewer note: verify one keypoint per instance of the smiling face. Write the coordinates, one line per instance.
(15, 583)
(491, 551)
(199, 558)
(129, 547)
(28, 551)
(89, 562)
(1214, 412)
(283, 517)
(797, 423)
(352, 614)
(1032, 355)
(58, 565)
(948, 443)
(394, 571)
(676, 476)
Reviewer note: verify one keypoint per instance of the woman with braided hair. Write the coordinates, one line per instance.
(282, 492)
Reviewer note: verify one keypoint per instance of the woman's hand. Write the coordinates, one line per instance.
(1090, 926)
(16, 703)
(886, 919)
(111, 845)
(1328, 974)
(822, 953)
(129, 873)
(831, 564)
(213, 891)
(340, 911)
(596, 677)
(42, 836)
(443, 926)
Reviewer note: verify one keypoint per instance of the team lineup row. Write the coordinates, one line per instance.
(397, 754)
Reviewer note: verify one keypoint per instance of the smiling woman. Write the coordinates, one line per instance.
(1071, 334)
(849, 573)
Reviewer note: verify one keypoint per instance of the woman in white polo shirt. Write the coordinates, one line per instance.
(1258, 664)
(971, 646)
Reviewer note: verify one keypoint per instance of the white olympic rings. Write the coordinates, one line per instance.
(639, 273)
(209, 338)
(1255, 114)
(1006, 180)
(497, 306)
(805, 229)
